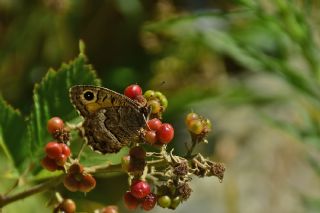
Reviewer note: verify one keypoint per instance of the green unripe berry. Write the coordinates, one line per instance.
(149, 94)
(175, 202)
(164, 201)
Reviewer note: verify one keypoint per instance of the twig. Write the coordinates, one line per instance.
(6, 199)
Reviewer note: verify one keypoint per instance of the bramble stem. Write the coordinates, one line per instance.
(6, 199)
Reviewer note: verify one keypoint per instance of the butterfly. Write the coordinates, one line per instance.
(111, 120)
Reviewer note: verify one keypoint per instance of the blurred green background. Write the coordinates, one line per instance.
(252, 67)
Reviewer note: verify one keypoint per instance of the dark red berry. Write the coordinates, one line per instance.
(75, 168)
(110, 209)
(49, 164)
(67, 206)
(149, 202)
(87, 183)
(165, 133)
(54, 124)
(65, 149)
(137, 152)
(151, 137)
(140, 189)
(53, 150)
(154, 124)
(130, 201)
(133, 91)
(71, 183)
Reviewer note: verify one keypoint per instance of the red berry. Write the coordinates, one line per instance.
(49, 164)
(68, 206)
(154, 124)
(65, 149)
(137, 152)
(54, 124)
(53, 150)
(130, 201)
(71, 183)
(87, 183)
(61, 160)
(140, 189)
(133, 91)
(150, 137)
(149, 202)
(165, 133)
(110, 209)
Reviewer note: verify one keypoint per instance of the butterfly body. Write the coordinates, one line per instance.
(111, 120)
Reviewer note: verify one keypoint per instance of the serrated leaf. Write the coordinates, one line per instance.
(13, 135)
(51, 98)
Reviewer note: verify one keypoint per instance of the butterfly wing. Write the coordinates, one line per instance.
(111, 121)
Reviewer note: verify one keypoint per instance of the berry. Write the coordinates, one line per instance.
(158, 94)
(125, 163)
(71, 183)
(65, 149)
(133, 91)
(54, 124)
(137, 152)
(110, 209)
(149, 94)
(87, 183)
(75, 168)
(150, 137)
(163, 102)
(164, 201)
(155, 106)
(165, 133)
(175, 202)
(140, 189)
(49, 164)
(53, 150)
(61, 160)
(154, 124)
(190, 117)
(130, 201)
(195, 126)
(68, 206)
(149, 202)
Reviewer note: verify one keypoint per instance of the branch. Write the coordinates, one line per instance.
(7, 199)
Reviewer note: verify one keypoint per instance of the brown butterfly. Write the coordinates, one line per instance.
(111, 120)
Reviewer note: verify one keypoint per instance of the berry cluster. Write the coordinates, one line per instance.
(198, 126)
(140, 194)
(157, 102)
(57, 155)
(158, 133)
(57, 152)
(169, 174)
(78, 180)
(154, 100)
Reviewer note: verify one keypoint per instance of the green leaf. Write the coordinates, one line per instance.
(51, 98)
(13, 135)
